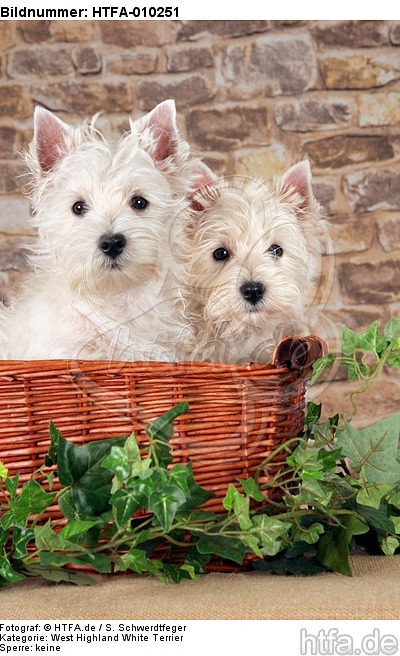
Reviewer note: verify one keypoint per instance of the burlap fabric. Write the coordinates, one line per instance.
(372, 593)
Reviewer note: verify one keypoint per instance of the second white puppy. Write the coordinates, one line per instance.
(250, 252)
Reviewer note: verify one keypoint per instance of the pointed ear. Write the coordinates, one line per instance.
(298, 179)
(52, 138)
(201, 176)
(161, 122)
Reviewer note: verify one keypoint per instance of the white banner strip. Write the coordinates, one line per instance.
(99, 637)
(189, 10)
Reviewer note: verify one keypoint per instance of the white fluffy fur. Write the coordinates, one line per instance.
(246, 216)
(77, 303)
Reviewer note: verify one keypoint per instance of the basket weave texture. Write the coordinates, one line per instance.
(237, 414)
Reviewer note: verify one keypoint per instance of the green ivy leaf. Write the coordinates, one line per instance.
(367, 340)
(333, 547)
(81, 467)
(240, 505)
(180, 475)
(126, 503)
(313, 412)
(376, 518)
(371, 494)
(394, 499)
(20, 538)
(164, 503)
(196, 559)
(228, 548)
(374, 449)
(392, 332)
(309, 534)
(31, 500)
(7, 573)
(389, 545)
(3, 471)
(304, 458)
(293, 566)
(4, 534)
(197, 494)
(349, 341)
(48, 540)
(393, 360)
(137, 561)
(117, 462)
(178, 573)
(100, 562)
(329, 458)
(12, 485)
(161, 430)
(51, 458)
(251, 488)
(320, 365)
(269, 532)
(315, 492)
(126, 462)
(58, 575)
(76, 528)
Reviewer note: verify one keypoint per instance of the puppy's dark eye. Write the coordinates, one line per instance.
(220, 254)
(275, 250)
(79, 207)
(139, 203)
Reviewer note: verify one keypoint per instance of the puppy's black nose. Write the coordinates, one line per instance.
(112, 245)
(252, 291)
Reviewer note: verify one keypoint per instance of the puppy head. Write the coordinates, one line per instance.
(252, 250)
(100, 208)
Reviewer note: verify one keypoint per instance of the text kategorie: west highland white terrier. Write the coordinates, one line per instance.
(99, 283)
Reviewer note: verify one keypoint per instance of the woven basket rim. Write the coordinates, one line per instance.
(315, 345)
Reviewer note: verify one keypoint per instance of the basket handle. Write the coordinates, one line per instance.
(298, 353)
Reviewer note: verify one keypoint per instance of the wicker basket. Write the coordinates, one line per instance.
(237, 414)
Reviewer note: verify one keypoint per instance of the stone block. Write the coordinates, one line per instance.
(335, 152)
(395, 33)
(195, 29)
(370, 282)
(372, 190)
(8, 142)
(187, 90)
(14, 101)
(40, 61)
(130, 34)
(85, 98)
(132, 63)
(359, 69)
(228, 127)
(8, 35)
(87, 60)
(188, 58)
(263, 162)
(377, 109)
(270, 65)
(353, 33)
(313, 115)
(36, 31)
(389, 231)
(325, 192)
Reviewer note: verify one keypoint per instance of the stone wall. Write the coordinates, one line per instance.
(252, 97)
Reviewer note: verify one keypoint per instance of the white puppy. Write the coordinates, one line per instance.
(99, 281)
(249, 256)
